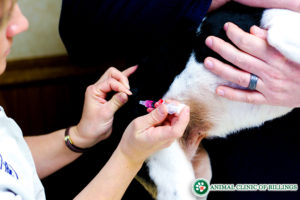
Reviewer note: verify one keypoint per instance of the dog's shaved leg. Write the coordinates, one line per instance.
(201, 164)
(190, 142)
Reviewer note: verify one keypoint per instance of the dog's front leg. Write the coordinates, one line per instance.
(172, 173)
(201, 164)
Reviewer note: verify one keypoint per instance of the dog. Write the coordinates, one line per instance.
(177, 72)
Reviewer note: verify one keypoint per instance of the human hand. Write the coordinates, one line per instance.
(286, 4)
(278, 82)
(147, 134)
(98, 113)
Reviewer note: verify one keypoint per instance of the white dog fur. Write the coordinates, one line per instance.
(170, 169)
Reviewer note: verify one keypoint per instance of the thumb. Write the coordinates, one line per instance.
(155, 117)
(117, 101)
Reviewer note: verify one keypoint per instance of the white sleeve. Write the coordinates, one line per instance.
(9, 195)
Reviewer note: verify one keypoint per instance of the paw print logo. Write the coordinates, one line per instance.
(200, 187)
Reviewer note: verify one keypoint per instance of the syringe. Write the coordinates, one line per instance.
(171, 107)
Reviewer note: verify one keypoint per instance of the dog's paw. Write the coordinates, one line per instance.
(283, 32)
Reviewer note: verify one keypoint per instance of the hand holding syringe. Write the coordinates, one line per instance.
(171, 107)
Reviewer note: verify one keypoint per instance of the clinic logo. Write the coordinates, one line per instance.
(200, 187)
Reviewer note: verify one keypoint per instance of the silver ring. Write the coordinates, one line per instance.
(253, 82)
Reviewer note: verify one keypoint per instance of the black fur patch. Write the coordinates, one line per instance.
(242, 16)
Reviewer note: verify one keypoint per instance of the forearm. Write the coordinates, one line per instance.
(50, 152)
(113, 179)
(215, 4)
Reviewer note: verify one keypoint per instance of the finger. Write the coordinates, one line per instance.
(171, 101)
(112, 72)
(230, 73)
(237, 57)
(252, 97)
(130, 70)
(119, 76)
(180, 123)
(106, 74)
(287, 4)
(154, 118)
(112, 85)
(117, 101)
(247, 42)
(259, 32)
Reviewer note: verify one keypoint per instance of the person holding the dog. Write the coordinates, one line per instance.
(24, 161)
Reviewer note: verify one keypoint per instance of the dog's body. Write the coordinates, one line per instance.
(212, 116)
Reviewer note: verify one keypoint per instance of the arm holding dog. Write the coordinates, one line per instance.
(278, 82)
(287, 4)
(277, 75)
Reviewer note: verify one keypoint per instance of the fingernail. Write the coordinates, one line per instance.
(13, 27)
(208, 64)
(122, 97)
(209, 42)
(226, 26)
(129, 92)
(221, 92)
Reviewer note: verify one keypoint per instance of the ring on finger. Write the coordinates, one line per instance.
(253, 82)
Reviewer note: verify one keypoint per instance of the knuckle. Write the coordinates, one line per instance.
(111, 69)
(89, 89)
(242, 81)
(271, 75)
(135, 123)
(112, 82)
(274, 75)
(249, 99)
(240, 60)
(230, 96)
(277, 88)
(276, 57)
(244, 41)
(154, 116)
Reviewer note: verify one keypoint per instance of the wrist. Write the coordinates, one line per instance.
(78, 140)
(129, 161)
